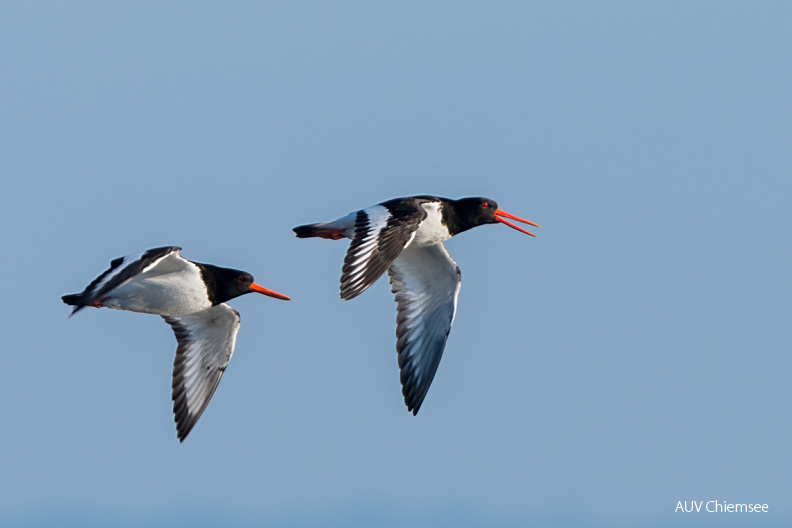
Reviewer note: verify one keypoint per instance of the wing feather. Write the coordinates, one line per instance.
(206, 342)
(122, 270)
(379, 237)
(425, 282)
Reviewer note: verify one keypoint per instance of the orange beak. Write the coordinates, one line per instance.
(264, 291)
(499, 214)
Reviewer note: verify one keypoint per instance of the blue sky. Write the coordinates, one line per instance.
(634, 355)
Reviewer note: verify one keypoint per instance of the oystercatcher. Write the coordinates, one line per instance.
(405, 236)
(191, 298)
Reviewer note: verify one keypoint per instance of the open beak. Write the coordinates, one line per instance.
(499, 214)
(264, 291)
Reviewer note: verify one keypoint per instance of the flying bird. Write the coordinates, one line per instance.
(405, 236)
(191, 297)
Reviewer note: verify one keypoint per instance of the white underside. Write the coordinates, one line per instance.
(172, 286)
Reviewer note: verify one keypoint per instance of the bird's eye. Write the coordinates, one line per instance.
(485, 204)
(240, 278)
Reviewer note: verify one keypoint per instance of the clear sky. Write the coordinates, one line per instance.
(635, 355)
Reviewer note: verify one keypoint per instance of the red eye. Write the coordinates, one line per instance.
(485, 204)
(240, 278)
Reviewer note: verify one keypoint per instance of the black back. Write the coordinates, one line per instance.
(458, 215)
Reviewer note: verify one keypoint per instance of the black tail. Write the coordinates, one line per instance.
(72, 299)
(305, 231)
(323, 230)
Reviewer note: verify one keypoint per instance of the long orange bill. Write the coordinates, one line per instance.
(499, 214)
(264, 291)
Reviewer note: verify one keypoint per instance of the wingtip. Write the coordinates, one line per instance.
(346, 296)
(183, 430)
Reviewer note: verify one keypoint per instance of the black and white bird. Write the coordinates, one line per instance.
(405, 236)
(191, 298)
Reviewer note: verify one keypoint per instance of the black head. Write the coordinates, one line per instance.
(467, 213)
(224, 284)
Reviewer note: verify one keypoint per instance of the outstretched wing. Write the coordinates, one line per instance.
(121, 270)
(425, 282)
(380, 236)
(206, 344)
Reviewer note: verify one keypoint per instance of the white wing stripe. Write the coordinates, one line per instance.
(378, 215)
(154, 263)
(377, 218)
(377, 239)
(124, 264)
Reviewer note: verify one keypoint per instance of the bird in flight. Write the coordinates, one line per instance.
(191, 297)
(405, 237)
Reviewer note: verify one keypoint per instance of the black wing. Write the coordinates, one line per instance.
(381, 232)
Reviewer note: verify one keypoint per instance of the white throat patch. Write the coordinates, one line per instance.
(432, 230)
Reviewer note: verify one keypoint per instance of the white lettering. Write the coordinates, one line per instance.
(694, 506)
(715, 506)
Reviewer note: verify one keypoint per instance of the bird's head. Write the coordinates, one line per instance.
(473, 212)
(225, 284)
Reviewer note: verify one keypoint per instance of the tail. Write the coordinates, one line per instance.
(74, 299)
(305, 231)
(324, 230)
